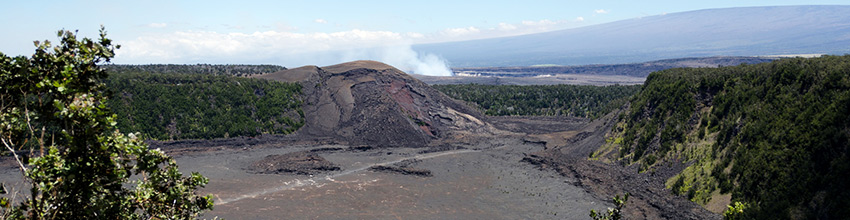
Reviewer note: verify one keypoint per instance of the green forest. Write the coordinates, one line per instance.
(168, 106)
(206, 69)
(776, 136)
(542, 100)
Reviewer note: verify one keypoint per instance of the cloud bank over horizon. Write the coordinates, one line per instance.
(293, 49)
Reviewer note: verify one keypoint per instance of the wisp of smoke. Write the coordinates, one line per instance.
(402, 57)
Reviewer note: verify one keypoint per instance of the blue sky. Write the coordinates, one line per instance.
(297, 32)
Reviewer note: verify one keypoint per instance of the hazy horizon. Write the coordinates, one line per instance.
(320, 33)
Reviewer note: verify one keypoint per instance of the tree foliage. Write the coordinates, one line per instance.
(615, 213)
(734, 212)
(169, 106)
(205, 69)
(548, 100)
(775, 135)
(54, 121)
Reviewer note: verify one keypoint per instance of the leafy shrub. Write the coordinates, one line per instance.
(54, 122)
(613, 213)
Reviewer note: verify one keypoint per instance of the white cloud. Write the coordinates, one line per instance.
(157, 25)
(415, 35)
(320, 21)
(601, 11)
(283, 26)
(543, 22)
(229, 26)
(455, 32)
(579, 18)
(283, 45)
(283, 48)
(204, 43)
(530, 27)
(507, 27)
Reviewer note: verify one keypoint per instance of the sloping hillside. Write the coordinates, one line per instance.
(542, 100)
(205, 69)
(712, 32)
(773, 136)
(185, 102)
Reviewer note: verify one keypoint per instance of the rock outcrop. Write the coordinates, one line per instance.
(372, 103)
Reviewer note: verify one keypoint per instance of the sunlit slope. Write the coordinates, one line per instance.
(775, 136)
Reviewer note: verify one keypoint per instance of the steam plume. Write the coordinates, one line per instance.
(404, 58)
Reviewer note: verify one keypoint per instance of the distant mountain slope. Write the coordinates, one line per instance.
(598, 74)
(713, 32)
(630, 69)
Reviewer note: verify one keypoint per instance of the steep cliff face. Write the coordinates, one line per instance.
(774, 136)
(371, 103)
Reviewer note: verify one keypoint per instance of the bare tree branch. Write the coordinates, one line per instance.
(17, 159)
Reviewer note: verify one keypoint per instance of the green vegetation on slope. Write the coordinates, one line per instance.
(202, 106)
(774, 135)
(566, 100)
(206, 69)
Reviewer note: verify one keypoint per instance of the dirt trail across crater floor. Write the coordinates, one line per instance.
(314, 181)
(482, 180)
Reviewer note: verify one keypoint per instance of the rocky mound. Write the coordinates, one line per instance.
(372, 103)
(402, 170)
(302, 163)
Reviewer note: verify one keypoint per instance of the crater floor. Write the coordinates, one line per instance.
(485, 180)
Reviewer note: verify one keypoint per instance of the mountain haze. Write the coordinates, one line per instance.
(748, 31)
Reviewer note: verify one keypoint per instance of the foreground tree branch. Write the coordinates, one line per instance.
(54, 103)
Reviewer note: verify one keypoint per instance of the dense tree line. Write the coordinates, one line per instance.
(549, 100)
(774, 135)
(209, 69)
(201, 106)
